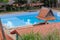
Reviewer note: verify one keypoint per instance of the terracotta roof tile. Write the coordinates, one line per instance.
(1, 34)
(43, 29)
(43, 12)
(7, 37)
(47, 18)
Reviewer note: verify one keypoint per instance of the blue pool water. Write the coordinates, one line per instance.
(25, 18)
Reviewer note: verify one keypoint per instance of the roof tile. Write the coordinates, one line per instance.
(43, 29)
(43, 12)
(7, 37)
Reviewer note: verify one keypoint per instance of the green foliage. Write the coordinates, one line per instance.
(31, 36)
(5, 1)
(0, 0)
(34, 1)
(55, 35)
(50, 2)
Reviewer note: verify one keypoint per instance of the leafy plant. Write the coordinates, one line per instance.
(55, 35)
(5, 1)
(31, 36)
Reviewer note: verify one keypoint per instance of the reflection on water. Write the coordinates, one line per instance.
(8, 24)
(28, 22)
(58, 14)
(35, 22)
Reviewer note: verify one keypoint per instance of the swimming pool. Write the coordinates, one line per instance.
(24, 18)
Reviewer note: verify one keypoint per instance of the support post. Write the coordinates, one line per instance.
(16, 37)
(1, 27)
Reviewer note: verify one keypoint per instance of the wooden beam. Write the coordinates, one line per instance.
(1, 27)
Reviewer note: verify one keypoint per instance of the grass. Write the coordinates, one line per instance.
(31, 36)
(55, 35)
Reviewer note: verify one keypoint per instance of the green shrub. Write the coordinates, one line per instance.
(5, 1)
(55, 35)
(31, 36)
